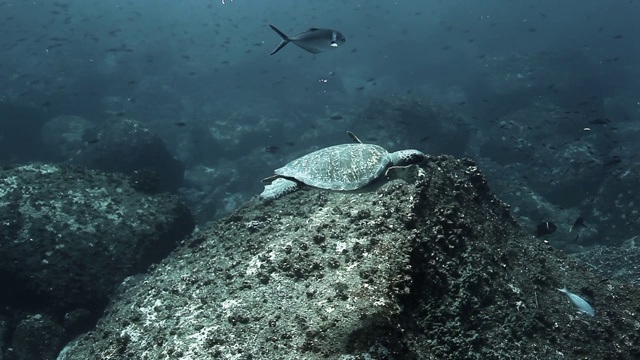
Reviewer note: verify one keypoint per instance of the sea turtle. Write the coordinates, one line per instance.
(338, 167)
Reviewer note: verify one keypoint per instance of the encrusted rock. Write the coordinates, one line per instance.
(69, 236)
(433, 268)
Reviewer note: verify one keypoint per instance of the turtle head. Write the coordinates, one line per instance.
(406, 157)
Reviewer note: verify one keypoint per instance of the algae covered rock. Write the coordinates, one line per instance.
(70, 235)
(429, 265)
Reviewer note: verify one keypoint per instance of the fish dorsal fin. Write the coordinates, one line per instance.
(354, 137)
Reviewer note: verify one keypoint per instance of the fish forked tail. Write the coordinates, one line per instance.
(285, 39)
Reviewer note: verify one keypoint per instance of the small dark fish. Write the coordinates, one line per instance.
(424, 139)
(313, 40)
(611, 59)
(271, 148)
(289, 143)
(121, 113)
(336, 117)
(614, 160)
(180, 123)
(618, 37)
(120, 49)
(604, 121)
(360, 88)
(62, 5)
(578, 223)
(545, 228)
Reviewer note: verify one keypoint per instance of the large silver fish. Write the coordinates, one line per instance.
(313, 40)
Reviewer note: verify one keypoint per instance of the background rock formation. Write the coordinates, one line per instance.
(68, 237)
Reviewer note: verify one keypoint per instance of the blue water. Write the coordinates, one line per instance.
(199, 75)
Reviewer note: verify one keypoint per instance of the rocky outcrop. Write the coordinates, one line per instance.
(127, 146)
(429, 265)
(68, 236)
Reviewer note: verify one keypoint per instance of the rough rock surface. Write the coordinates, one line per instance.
(36, 337)
(621, 264)
(68, 236)
(426, 266)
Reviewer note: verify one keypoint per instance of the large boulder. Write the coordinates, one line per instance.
(64, 135)
(68, 236)
(126, 146)
(429, 266)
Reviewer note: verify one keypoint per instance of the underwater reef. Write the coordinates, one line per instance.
(427, 264)
(68, 237)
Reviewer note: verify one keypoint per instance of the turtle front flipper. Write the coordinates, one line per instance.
(278, 188)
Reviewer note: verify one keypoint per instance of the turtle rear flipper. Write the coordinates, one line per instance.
(354, 137)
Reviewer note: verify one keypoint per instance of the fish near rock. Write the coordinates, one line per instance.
(582, 305)
(545, 228)
(313, 40)
(579, 222)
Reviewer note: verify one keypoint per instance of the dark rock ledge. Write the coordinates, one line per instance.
(430, 266)
(68, 237)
